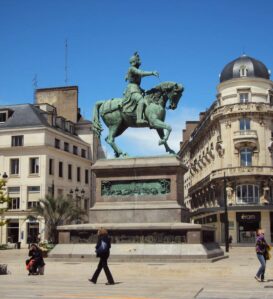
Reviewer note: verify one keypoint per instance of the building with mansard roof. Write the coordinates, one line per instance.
(46, 148)
(229, 154)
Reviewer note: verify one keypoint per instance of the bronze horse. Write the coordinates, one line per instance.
(117, 116)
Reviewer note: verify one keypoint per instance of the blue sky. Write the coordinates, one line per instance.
(185, 41)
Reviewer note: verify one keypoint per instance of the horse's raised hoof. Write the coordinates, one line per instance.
(161, 141)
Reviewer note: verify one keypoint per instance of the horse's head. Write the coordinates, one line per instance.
(172, 91)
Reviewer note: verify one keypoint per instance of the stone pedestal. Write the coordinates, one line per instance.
(139, 190)
(140, 202)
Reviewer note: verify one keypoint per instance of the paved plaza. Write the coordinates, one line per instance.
(227, 278)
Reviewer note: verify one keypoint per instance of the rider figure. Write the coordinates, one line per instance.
(133, 92)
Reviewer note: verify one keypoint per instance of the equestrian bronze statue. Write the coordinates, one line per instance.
(138, 108)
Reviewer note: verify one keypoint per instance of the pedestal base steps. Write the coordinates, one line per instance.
(140, 242)
(210, 252)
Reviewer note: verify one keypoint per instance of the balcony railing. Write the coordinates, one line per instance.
(242, 107)
(245, 136)
(247, 170)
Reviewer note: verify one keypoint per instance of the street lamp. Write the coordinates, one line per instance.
(77, 197)
(4, 176)
(226, 223)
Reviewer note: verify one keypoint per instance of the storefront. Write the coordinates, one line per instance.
(13, 231)
(247, 224)
(32, 232)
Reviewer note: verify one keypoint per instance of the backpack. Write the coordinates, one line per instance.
(103, 248)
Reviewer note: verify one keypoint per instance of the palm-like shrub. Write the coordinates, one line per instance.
(4, 199)
(57, 211)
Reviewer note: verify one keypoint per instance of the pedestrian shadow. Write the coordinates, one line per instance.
(118, 282)
(269, 280)
(268, 287)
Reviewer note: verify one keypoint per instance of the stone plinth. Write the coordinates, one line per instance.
(140, 202)
(140, 241)
(139, 190)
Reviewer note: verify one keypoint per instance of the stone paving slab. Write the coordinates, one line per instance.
(228, 278)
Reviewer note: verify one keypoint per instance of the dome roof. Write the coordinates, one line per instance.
(244, 66)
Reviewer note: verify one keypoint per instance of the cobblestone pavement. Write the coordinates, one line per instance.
(227, 278)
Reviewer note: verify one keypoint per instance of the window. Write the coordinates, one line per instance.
(17, 140)
(14, 166)
(60, 169)
(13, 190)
(271, 99)
(243, 71)
(66, 147)
(32, 204)
(78, 174)
(83, 153)
(33, 189)
(14, 203)
(244, 124)
(246, 157)
(69, 173)
(243, 97)
(75, 150)
(246, 194)
(3, 117)
(33, 196)
(51, 167)
(86, 176)
(57, 143)
(34, 165)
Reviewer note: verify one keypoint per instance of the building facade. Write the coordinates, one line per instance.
(229, 154)
(44, 150)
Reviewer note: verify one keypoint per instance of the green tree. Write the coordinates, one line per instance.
(58, 211)
(3, 199)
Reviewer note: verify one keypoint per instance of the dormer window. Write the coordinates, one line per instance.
(3, 116)
(271, 97)
(243, 71)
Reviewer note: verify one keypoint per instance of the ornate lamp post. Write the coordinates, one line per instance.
(77, 198)
(226, 223)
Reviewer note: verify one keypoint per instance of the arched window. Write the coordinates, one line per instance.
(246, 157)
(247, 194)
(244, 124)
(243, 71)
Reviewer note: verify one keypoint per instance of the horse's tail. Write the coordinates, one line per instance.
(97, 127)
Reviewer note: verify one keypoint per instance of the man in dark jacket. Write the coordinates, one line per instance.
(103, 251)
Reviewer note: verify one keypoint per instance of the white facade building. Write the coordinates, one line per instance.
(232, 144)
(43, 153)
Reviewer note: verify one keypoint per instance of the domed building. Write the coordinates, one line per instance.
(229, 154)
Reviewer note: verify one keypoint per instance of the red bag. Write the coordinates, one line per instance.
(30, 264)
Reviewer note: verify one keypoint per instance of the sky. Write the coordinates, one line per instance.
(188, 42)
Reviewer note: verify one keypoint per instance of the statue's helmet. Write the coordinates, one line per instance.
(135, 58)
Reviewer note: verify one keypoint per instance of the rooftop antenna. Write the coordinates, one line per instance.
(65, 63)
(244, 52)
(35, 85)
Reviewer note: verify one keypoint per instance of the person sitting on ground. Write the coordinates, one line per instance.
(36, 260)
